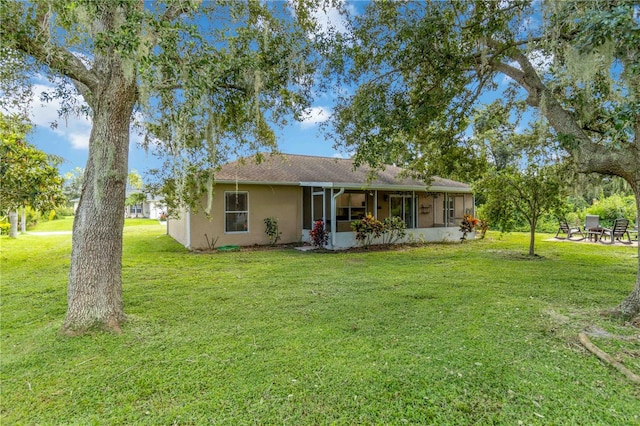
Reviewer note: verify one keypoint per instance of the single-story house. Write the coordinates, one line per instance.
(151, 207)
(298, 190)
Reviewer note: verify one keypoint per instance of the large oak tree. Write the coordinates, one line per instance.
(203, 79)
(419, 69)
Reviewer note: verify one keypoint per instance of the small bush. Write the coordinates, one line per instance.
(394, 229)
(4, 228)
(271, 229)
(367, 229)
(64, 212)
(483, 226)
(319, 236)
(467, 225)
(611, 208)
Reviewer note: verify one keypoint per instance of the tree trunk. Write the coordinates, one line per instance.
(630, 307)
(23, 224)
(532, 241)
(532, 237)
(13, 224)
(95, 280)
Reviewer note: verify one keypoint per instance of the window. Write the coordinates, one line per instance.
(351, 206)
(236, 212)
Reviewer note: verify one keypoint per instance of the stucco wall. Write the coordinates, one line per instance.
(177, 228)
(282, 202)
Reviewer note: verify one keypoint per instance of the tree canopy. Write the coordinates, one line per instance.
(419, 68)
(524, 179)
(29, 177)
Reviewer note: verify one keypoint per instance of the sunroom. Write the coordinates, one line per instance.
(430, 215)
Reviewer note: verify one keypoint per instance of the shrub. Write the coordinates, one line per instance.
(319, 236)
(4, 228)
(367, 229)
(271, 229)
(467, 225)
(64, 212)
(394, 229)
(611, 208)
(483, 226)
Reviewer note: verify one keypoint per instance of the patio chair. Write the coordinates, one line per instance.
(592, 226)
(566, 229)
(618, 231)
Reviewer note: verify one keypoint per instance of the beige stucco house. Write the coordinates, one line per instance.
(298, 189)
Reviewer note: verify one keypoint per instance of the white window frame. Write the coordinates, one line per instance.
(235, 211)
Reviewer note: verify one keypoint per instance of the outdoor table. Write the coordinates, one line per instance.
(594, 233)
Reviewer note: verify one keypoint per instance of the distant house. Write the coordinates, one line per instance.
(151, 208)
(298, 190)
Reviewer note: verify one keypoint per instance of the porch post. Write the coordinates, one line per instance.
(334, 225)
(414, 207)
(375, 203)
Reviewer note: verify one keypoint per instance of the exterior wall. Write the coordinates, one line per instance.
(282, 202)
(344, 240)
(152, 209)
(426, 210)
(178, 228)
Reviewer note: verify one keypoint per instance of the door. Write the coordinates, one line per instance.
(402, 206)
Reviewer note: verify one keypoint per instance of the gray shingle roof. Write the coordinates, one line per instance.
(295, 169)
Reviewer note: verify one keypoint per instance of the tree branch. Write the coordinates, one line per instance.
(58, 59)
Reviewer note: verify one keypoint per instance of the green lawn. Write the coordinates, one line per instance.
(66, 224)
(440, 334)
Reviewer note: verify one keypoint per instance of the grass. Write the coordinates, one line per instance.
(66, 224)
(441, 334)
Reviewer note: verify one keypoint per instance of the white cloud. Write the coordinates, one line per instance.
(314, 115)
(73, 129)
(329, 18)
(540, 61)
(344, 156)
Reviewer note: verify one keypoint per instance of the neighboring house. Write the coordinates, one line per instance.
(151, 208)
(298, 189)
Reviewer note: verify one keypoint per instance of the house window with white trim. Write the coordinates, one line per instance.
(136, 209)
(236, 211)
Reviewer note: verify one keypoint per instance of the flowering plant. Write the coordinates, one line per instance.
(319, 236)
(367, 229)
(467, 225)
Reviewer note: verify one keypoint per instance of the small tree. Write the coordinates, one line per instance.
(528, 194)
(27, 174)
(526, 176)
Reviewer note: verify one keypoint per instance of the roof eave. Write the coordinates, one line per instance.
(356, 186)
